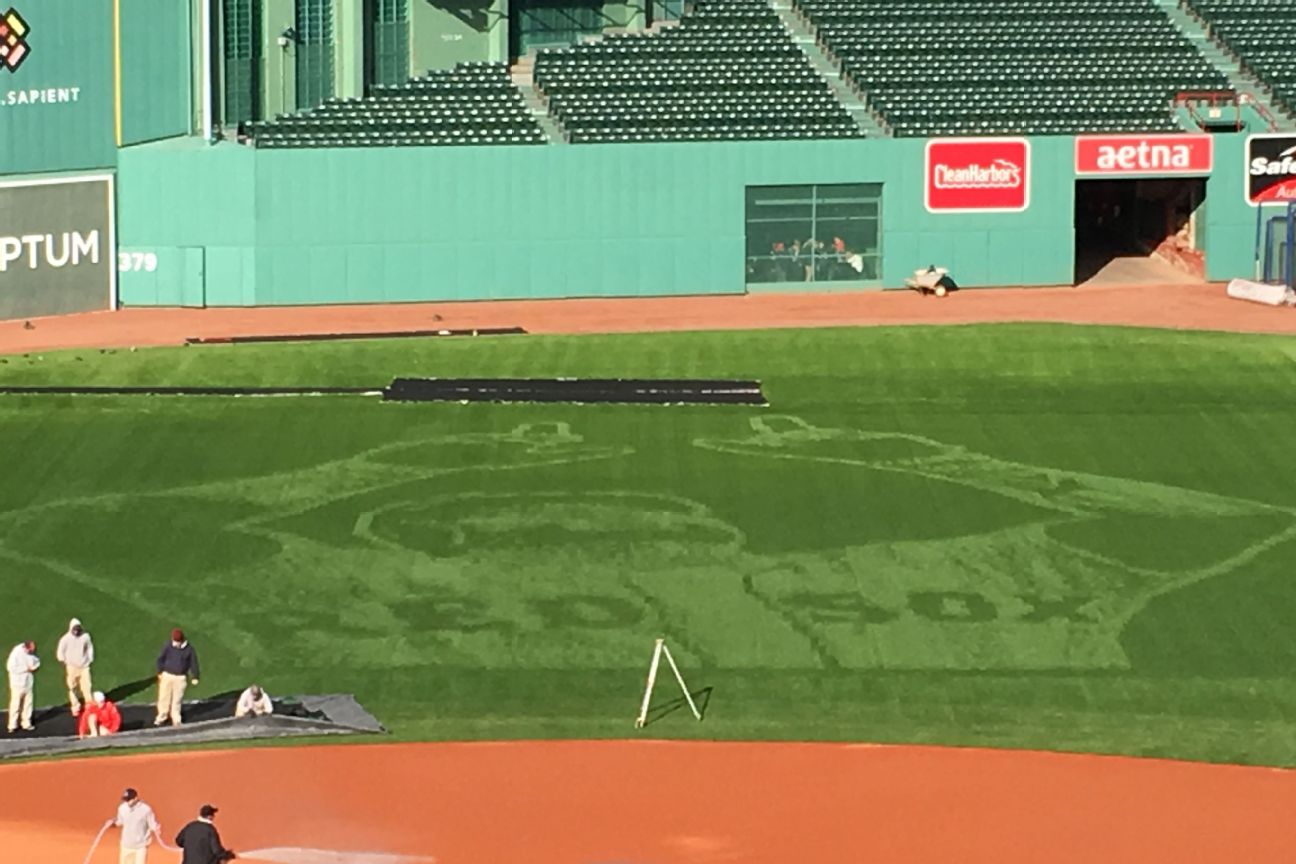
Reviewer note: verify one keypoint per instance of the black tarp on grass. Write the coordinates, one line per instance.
(206, 721)
(652, 391)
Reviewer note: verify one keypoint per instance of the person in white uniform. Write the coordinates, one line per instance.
(138, 826)
(76, 653)
(254, 702)
(22, 666)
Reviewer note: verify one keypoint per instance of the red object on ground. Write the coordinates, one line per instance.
(1185, 307)
(671, 803)
(107, 715)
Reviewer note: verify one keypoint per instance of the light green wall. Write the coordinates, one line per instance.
(70, 60)
(617, 220)
(279, 72)
(348, 66)
(1230, 222)
(630, 14)
(156, 68)
(446, 32)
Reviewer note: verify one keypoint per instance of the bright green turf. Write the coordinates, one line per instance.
(1040, 536)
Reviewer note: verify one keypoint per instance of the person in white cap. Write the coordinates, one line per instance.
(76, 653)
(138, 826)
(254, 702)
(100, 718)
(22, 667)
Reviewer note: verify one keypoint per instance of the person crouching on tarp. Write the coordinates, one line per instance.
(254, 702)
(99, 719)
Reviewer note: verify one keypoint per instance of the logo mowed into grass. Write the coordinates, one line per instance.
(457, 575)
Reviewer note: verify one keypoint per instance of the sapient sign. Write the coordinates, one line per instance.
(57, 247)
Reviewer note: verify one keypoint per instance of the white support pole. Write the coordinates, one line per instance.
(208, 118)
(652, 681)
(680, 679)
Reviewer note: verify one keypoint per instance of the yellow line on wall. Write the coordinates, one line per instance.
(117, 77)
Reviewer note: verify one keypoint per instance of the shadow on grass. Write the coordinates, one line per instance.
(123, 692)
(701, 698)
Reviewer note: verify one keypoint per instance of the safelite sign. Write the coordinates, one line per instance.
(1271, 169)
(1143, 155)
(977, 175)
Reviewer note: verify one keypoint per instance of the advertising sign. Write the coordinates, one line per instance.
(1143, 155)
(977, 175)
(57, 247)
(56, 86)
(1271, 169)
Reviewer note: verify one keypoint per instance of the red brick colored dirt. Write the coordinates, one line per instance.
(1189, 306)
(669, 803)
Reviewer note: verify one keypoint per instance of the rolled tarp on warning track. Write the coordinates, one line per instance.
(1257, 292)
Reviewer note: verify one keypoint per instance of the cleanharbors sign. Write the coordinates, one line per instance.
(57, 247)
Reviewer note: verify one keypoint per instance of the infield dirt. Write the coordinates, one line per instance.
(667, 803)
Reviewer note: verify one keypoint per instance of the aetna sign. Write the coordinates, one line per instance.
(977, 175)
(1271, 169)
(1143, 155)
(57, 248)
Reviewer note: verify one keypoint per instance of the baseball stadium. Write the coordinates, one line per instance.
(678, 432)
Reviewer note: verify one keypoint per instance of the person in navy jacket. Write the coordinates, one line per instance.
(177, 662)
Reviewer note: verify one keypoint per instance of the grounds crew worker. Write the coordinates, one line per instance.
(138, 825)
(99, 719)
(254, 702)
(177, 660)
(200, 841)
(22, 665)
(76, 653)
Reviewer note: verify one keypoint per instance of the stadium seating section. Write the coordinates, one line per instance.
(730, 70)
(1261, 33)
(954, 67)
(475, 103)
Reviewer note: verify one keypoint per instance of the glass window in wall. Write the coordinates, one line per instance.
(548, 23)
(829, 233)
(665, 10)
(388, 41)
(241, 50)
(314, 52)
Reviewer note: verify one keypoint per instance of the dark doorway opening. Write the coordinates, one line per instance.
(1140, 230)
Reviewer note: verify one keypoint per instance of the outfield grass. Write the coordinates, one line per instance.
(1012, 535)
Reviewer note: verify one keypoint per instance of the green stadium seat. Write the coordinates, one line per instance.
(950, 67)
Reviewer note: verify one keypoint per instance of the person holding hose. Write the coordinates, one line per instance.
(138, 826)
(201, 841)
(177, 661)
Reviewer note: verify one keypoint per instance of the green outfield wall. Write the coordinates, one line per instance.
(234, 226)
(157, 69)
(56, 106)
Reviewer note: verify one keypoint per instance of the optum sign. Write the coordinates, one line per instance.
(57, 247)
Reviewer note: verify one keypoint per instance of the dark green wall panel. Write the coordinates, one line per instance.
(56, 109)
(156, 67)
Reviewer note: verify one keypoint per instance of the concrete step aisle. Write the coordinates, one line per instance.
(523, 75)
(802, 34)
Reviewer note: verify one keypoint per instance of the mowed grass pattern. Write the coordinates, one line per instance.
(1012, 535)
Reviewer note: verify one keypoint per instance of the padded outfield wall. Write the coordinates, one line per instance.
(93, 74)
(228, 225)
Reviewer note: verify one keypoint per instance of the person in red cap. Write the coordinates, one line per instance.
(99, 719)
(201, 842)
(177, 662)
(22, 666)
